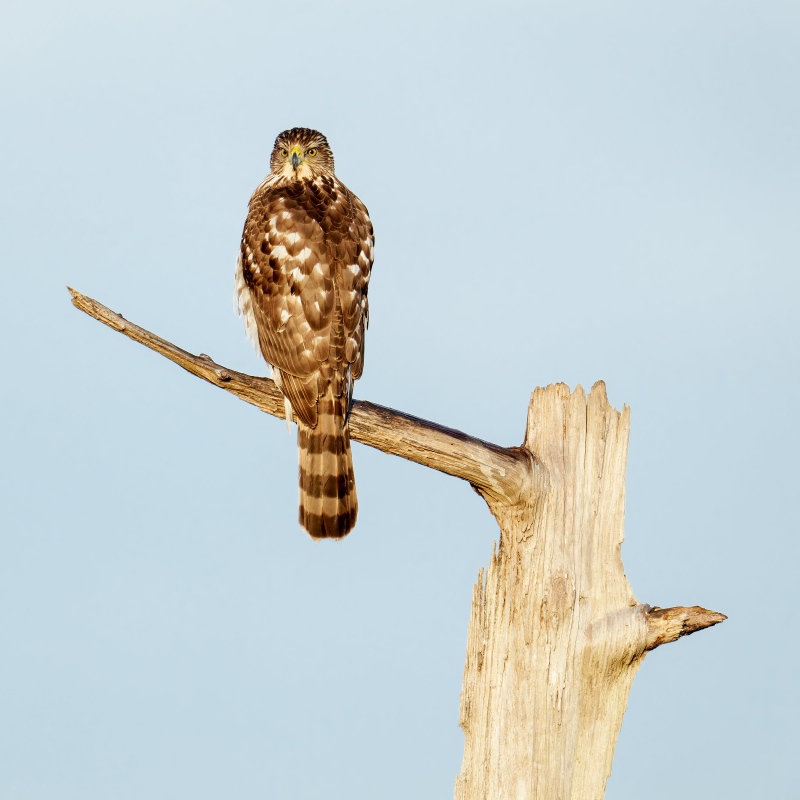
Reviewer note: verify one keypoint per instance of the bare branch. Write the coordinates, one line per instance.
(666, 625)
(500, 473)
(543, 732)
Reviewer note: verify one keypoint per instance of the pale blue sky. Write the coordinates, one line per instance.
(560, 192)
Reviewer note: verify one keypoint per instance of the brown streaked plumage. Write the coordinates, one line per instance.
(301, 286)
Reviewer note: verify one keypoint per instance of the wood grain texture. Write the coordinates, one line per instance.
(556, 634)
(666, 625)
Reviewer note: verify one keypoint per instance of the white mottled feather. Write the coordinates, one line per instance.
(243, 305)
(280, 252)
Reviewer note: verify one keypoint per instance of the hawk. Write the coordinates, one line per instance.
(301, 286)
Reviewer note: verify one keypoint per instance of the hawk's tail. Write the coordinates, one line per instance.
(328, 503)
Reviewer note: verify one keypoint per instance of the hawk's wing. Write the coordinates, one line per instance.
(307, 250)
(354, 283)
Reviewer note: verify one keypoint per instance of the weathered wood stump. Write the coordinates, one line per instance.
(555, 635)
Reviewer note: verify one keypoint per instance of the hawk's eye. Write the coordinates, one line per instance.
(312, 152)
(284, 152)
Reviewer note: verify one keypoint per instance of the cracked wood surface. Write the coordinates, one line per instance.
(556, 635)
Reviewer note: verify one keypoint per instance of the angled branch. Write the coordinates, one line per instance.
(527, 732)
(666, 625)
(500, 473)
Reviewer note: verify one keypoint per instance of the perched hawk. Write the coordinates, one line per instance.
(301, 286)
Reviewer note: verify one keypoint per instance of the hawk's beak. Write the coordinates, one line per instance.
(295, 158)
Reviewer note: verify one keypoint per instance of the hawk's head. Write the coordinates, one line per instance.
(301, 153)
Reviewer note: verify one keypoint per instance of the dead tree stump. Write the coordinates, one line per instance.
(555, 634)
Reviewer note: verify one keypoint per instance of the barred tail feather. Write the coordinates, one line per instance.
(328, 503)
